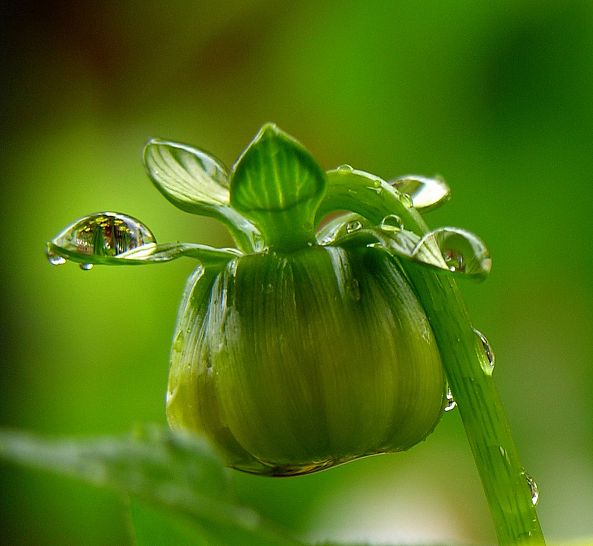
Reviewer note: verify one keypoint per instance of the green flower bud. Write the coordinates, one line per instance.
(306, 346)
(294, 362)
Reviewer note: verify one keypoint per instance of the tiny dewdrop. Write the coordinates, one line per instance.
(306, 346)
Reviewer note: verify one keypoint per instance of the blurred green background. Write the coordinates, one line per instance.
(495, 96)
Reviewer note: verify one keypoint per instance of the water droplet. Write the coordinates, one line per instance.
(55, 259)
(354, 289)
(391, 223)
(454, 249)
(406, 200)
(86, 267)
(425, 193)
(179, 341)
(104, 234)
(488, 365)
(353, 226)
(533, 488)
(345, 169)
(451, 404)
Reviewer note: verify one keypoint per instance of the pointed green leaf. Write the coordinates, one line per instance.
(190, 178)
(278, 185)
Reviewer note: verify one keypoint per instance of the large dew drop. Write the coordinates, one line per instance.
(101, 234)
(425, 193)
(454, 249)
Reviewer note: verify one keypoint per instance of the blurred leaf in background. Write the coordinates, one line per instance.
(496, 97)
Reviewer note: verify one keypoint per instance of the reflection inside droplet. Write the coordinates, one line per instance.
(103, 234)
(86, 267)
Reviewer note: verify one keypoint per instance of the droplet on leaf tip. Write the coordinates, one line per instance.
(102, 234)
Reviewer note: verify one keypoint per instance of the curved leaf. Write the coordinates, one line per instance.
(191, 179)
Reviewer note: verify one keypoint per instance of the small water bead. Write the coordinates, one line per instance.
(425, 193)
(86, 267)
(451, 404)
(353, 226)
(55, 259)
(532, 488)
(391, 223)
(487, 366)
(104, 234)
(345, 169)
(354, 289)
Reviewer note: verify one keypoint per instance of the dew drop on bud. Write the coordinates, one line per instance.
(353, 226)
(103, 234)
(354, 289)
(425, 193)
(86, 267)
(345, 169)
(488, 364)
(532, 488)
(451, 404)
(391, 223)
(55, 259)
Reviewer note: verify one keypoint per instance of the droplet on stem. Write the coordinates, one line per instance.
(345, 169)
(451, 404)
(353, 226)
(533, 488)
(488, 364)
(391, 223)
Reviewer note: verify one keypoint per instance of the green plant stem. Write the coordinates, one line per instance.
(486, 424)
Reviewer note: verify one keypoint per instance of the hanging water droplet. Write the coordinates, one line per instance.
(532, 488)
(353, 226)
(55, 259)
(391, 223)
(345, 169)
(103, 234)
(488, 364)
(454, 249)
(86, 267)
(425, 193)
(451, 404)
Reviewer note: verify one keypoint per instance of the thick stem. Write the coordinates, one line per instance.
(488, 431)
(486, 424)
